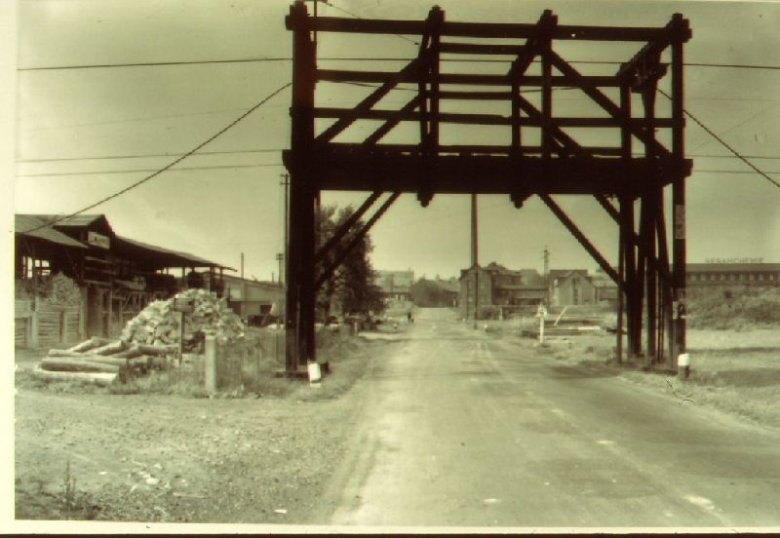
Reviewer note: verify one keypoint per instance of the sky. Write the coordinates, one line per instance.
(82, 134)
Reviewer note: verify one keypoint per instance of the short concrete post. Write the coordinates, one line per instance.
(683, 365)
(210, 363)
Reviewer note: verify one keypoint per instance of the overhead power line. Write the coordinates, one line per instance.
(136, 170)
(724, 143)
(351, 59)
(146, 155)
(171, 164)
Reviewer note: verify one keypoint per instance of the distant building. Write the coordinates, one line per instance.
(436, 293)
(701, 275)
(395, 285)
(252, 300)
(500, 287)
(606, 288)
(571, 287)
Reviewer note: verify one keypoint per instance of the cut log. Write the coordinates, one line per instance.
(92, 343)
(108, 349)
(158, 350)
(66, 353)
(98, 378)
(61, 364)
(133, 352)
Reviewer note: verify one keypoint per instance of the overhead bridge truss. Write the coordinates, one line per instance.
(533, 149)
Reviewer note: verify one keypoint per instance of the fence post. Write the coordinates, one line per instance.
(210, 363)
(34, 330)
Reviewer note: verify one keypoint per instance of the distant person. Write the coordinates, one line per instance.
(409, 317)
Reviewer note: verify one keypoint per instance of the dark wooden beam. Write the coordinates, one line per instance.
(327, 272)
(365, 105)
(487, 174)
(467, 29)
(607, 104)
(346, 226)
(482, 119)
(390, 124)
(346, 75)
(577, 233)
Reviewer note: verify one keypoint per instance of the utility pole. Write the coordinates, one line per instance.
(546, 276)
(280, 259)
(475, 255)
(243, 289)
(285, 225)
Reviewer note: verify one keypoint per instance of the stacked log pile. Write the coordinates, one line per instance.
(148, 340)
(102, 361)
(159, 323)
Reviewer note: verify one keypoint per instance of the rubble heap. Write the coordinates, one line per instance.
(158, 323)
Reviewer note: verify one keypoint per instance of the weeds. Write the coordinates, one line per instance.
(69, 490)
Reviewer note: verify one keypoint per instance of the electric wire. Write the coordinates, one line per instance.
(355, 59)
(138, 170)
(279, 150)
(169, 165)
(724, 143)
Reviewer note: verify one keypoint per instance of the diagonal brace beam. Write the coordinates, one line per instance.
(655, 263)
(604, 102)
(388, 126)
(564, 218)
(571, 144)
(345, 227)
(365, 105)
(341, 256)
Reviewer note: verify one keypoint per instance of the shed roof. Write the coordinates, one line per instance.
(36, 226)
(154, 257)
(48, 227)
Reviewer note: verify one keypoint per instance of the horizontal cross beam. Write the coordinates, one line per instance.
(346, 75)
(487, 30)
(490, 174)
(486, 119)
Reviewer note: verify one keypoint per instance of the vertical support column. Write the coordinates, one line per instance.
(547, 140)
(626, 227)
(475, 255)
(632, 285)
(665, 311)
(648, 232)
(303, 192)
(678, 184)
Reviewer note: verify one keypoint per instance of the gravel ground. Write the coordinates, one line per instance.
(166, 458)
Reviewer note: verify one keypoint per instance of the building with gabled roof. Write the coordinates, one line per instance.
(118, 276)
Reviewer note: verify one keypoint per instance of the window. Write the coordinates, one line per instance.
(31, 266)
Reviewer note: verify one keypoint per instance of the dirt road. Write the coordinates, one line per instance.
(460, 429)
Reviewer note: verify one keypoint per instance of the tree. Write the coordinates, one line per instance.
(352, 287)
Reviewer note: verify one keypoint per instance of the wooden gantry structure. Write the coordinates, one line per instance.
(539, 151)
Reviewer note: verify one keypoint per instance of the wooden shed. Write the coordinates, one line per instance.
(116, 277)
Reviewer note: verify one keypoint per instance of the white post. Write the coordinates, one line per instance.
(541, 313)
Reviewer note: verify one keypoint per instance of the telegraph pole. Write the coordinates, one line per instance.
(285, 225)
(546, 276)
